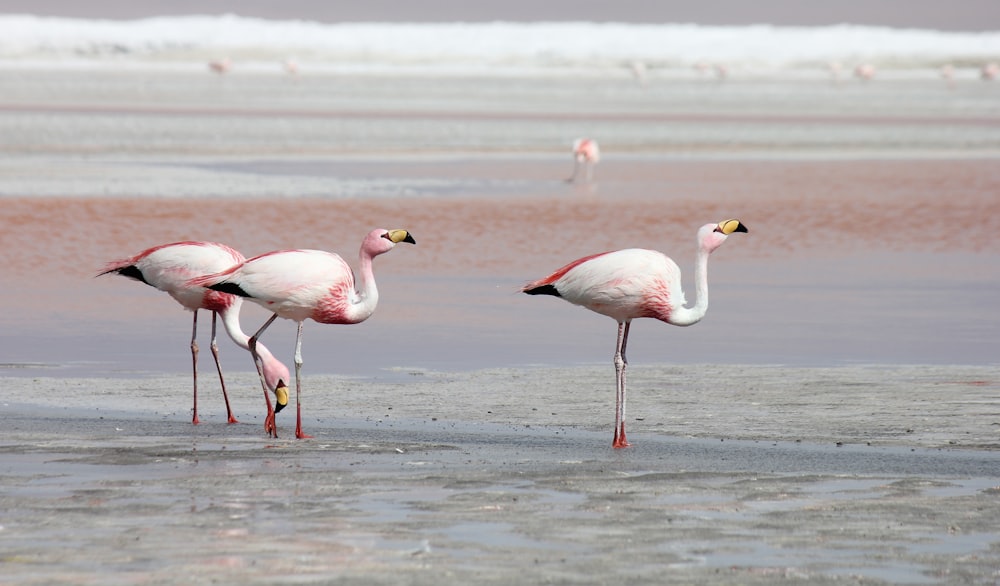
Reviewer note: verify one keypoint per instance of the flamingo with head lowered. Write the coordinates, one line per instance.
(301, 284)
(168, 268)
(633, 283)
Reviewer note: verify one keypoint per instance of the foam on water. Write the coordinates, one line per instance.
(483, 48)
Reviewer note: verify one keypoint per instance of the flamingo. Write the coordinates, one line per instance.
(300, 284)
(168, 268)
(220, 66)
(586, 153)
(835, 68)
(947, 72)
(989, 71)
(865, 72)
(638, 69)
(632, 283)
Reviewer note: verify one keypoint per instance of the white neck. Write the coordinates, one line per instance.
(231, 321)
(366, 291)
(686, 316)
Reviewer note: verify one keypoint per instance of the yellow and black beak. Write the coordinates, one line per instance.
(280, 396)
(727, 227)
(397, 236)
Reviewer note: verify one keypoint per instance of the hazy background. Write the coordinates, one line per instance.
(963, 15)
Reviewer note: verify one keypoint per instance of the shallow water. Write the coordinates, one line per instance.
(451, 499)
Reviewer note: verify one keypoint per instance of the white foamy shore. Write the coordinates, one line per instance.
(496, 48)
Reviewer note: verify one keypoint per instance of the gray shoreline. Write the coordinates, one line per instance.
(738, 475)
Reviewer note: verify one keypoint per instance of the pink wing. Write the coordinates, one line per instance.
(560, 272)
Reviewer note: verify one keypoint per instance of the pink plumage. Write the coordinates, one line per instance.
(307, 284)
(586, 153)
(169, 268)
(634, 283)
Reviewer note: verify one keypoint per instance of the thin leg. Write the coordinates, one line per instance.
(576, 167)
(218, 366)
(298, 385)
(620, 364)
(269, 425)
(194, 367)
(590, 171)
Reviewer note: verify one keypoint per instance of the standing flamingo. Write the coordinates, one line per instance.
(633, 283)
(168, 268)
(220, 66)
(300, 284)
(586, 153)
(865, 72)
(947, 72)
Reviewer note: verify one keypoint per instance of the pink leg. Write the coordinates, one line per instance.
(620, 364)
(269, 425)
(194, 367)
(218, 366)
(298, 385)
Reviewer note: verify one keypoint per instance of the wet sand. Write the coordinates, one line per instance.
(737, 475)
(833, 419)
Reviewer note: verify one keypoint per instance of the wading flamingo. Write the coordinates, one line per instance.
(220, 66)
(168, 268)
(865, 72)
(632, 283)
(989, 72)
(300, 284)
(947, 72)
(586, 153)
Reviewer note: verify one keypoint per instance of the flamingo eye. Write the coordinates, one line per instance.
(386, 236)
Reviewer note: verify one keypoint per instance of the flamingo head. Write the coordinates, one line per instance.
(276, 375)
(381, 240)
(711, 236)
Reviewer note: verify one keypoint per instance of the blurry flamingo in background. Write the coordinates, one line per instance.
(634, 283)
(835, 69)
(586, 153)
(301, 284)
(638, 69)
(168, 268)
(291, 66)
(220, 66)
(989, 72)
(865, 72)
(948, 74)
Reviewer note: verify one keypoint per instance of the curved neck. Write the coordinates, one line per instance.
(366, 292)
(686, 316)
(231, 322)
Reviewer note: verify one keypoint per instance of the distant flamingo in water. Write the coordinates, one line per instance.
(300, 284)
(835, 69)
(989, 72)
(638, 69)
(948, 74)
(865, 72)
(586, 153)
(633, 283)
(168, 268)
(220, 66)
